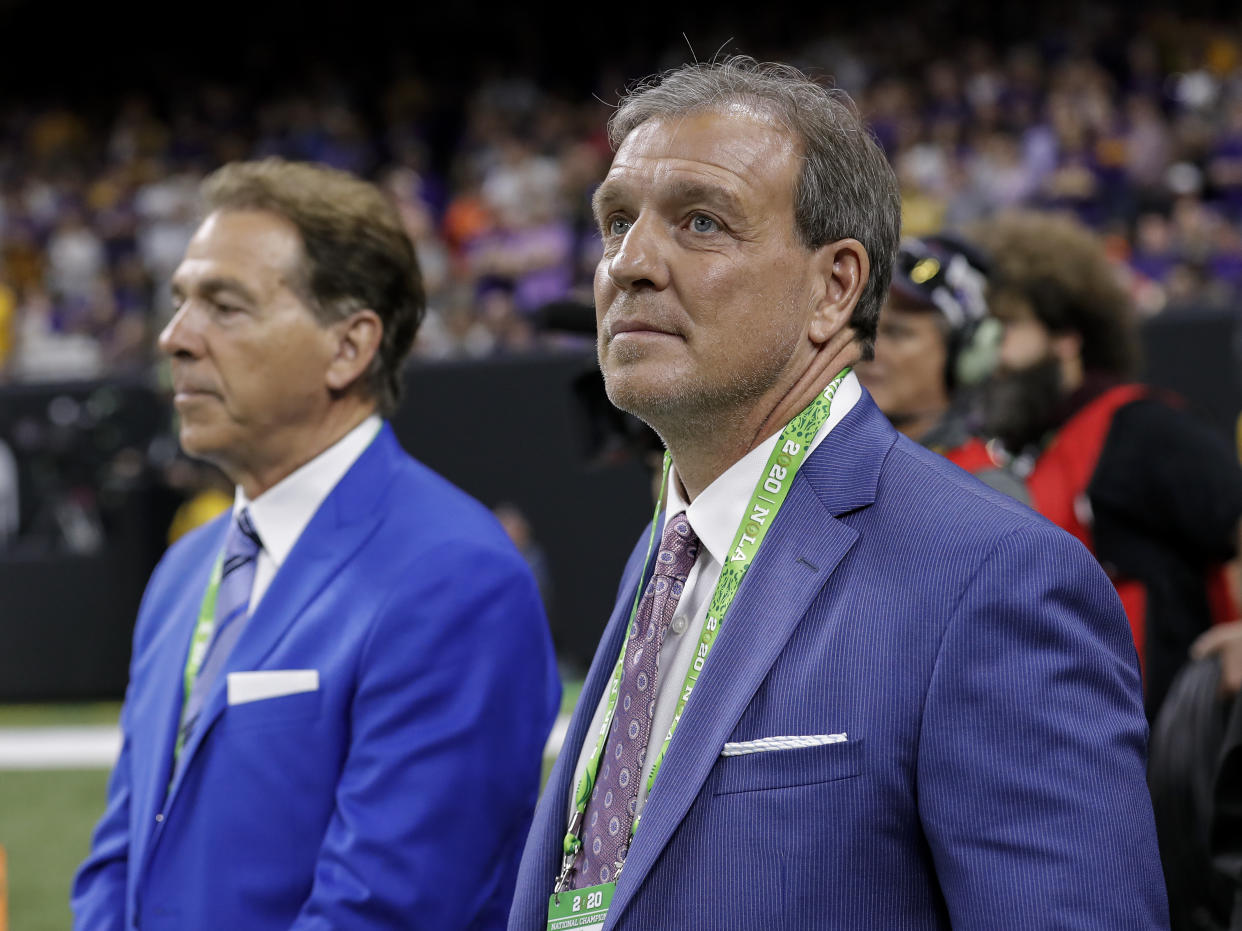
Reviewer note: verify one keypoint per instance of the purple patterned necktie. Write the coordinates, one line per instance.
(610, 810)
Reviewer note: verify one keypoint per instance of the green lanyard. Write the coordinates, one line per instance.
(199, 642)
(765, 502)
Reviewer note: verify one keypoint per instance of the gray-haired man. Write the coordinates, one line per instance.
(920, 706)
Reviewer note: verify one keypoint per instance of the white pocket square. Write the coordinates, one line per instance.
(246, 687)
(780, 743)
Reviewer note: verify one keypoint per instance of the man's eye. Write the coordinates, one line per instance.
(618, 226)
(702, 223)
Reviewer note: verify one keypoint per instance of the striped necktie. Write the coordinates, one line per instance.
(241, 552)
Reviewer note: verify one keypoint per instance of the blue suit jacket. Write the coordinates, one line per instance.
(398, 794)
(979, 662)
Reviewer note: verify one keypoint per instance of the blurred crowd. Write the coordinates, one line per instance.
(94, 219)
(1142, 142)
(1136, 129)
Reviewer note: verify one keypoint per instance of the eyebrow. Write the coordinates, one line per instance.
(689, 191)
(680, 191)
(605, 196)
(210, 287)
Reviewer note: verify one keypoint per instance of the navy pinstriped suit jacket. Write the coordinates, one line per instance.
(979, 662)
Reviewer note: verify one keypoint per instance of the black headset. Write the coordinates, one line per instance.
(945, 273)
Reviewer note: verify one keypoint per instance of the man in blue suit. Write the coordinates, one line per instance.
(340, 691)
(851, 687)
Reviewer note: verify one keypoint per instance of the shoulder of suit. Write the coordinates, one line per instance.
(925, 482)
(201, 542)
(421, 501)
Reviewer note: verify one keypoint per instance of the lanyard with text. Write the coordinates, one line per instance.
(766, 500)
(199, 643)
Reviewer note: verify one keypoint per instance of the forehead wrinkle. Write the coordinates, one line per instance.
(260, 245)
(679, 189)
(258, 285)
(733, 154)
(206, 278)
(729, 107)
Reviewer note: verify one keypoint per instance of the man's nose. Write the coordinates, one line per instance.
(641, 260)
(180, 336)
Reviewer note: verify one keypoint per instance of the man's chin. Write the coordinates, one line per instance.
(645, 395)
(199, 441)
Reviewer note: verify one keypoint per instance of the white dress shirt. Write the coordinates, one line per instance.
(715, 516)
(281, 513)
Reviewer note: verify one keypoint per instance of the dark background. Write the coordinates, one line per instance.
(504, 430)
(507, 431)
(89, 51)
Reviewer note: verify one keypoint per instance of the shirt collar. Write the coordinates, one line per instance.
(717, 511)
(282, 512)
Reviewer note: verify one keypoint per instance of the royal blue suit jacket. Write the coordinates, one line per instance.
(399, 793)
(978, 661)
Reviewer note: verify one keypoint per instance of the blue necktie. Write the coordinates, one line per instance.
(241, 552)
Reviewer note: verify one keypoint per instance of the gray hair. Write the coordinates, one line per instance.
(846, 188)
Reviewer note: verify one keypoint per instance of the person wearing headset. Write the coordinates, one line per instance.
(934, 343)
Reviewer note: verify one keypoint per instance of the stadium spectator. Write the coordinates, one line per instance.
(1155, 495)
(930, 349)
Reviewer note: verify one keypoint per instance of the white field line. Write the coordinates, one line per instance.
(97, 747)
(59, 747)
(559, 729)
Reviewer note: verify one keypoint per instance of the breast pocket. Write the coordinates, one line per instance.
(782, 769)
(273, 712)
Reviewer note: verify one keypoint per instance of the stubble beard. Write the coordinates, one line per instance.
(684, 406)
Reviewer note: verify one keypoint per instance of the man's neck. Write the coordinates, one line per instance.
(702, 454)
(304, 444)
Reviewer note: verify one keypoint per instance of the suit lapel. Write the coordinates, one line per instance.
(844, 471)
(158, 714)
(801, 551)
(339, 527)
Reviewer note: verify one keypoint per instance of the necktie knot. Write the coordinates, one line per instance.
(232, 607)
(242, 543)
(679, 548)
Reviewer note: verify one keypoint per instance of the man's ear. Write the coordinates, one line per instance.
(357, 342)
(842, 269)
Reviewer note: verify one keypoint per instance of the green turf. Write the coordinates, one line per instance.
(68, 715)
(46, 817)
(569, 696)
(45, 823)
